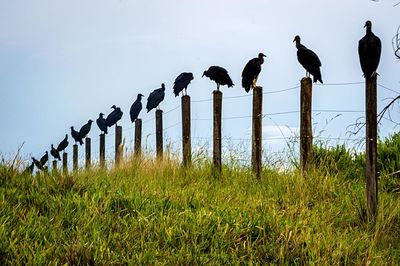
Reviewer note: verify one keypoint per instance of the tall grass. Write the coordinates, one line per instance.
(149, 212)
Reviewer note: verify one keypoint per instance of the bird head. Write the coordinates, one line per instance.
(90, 121)
(52, 146)
(261, 55)
(114, 107)
(368, 24)
(162, 86)
(66, 136)
(297, 39)
(204, 73)
(101, 115)
(71, 127)
(46, 153)
(139, 96)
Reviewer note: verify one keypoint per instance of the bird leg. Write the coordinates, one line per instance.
(217, 86)
(374, 74)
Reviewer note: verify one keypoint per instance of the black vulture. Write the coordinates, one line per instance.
(29, 169)
(63, 144)
(75, 135)
(309, 60)
(219, 75)
(37, 163)
(101, 123)
(114, 116)
(55, 153)
(251, 71)
(85, 129)
(155, 98)
(44, 159)
(181, 82)
(369, 51)
(136, 108)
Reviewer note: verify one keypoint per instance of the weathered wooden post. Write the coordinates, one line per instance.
(186, 141)
(371, 146)
(54, 167)
(138, 138)
(217, 104)
(159, 134)
(102, 151)
(118, 145)
(256, 158)
(65, 163)
(305, 125)
(75, 158)
(87, 153)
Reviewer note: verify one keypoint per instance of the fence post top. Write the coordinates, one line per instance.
(306, 80)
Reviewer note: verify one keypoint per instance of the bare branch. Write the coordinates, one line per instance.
(396, 43)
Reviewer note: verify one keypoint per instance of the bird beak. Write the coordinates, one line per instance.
(294, 39)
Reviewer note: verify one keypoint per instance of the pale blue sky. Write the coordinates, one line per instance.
(63, 62)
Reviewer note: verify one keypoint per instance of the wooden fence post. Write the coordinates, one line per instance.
(118, 145)
(186, 140)
(217, 104)
(102, 151)
(256, 158)
(65, 163)
(138, 137)
(87, 153)
(75, 158)
(371, 146)
(305, 125)
(54, 167)
(159, 134)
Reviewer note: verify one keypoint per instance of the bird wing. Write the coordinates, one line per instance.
(308, 59)
(252, 68)
(135, 110)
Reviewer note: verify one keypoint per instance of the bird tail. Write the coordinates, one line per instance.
(317, 77)
(80, 142)
(106, 131)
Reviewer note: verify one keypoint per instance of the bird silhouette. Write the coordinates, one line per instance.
(155, 98)
(219, 75)
(309, 60)
(251, 71)
(37, 163)
(182, 82)
(114, 116)
(85, 129)
(63, 144)
(369, 51)
(136, 108)
(29, 169)
(75, 135)
(101, 123)
(55, 153)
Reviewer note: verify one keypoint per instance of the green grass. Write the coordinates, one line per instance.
(160, 213)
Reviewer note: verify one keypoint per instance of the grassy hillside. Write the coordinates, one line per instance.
(160, 213)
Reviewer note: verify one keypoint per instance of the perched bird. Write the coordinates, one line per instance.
(114, 116)
(182, 82)
(63, 144)
(219, 75)
(37, 163)
(75, 135)
(136, 108)
(309, 60)
(55, 153)
(85, 129)
(155, 98)
(29, 169)
(101, 123)
(369, 51)
(42, 162)
(251, 71)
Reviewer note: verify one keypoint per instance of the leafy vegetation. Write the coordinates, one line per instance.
(151, 212)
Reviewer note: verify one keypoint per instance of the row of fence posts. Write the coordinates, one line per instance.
(306, 138)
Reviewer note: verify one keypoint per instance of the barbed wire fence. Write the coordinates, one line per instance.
(241, 145)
